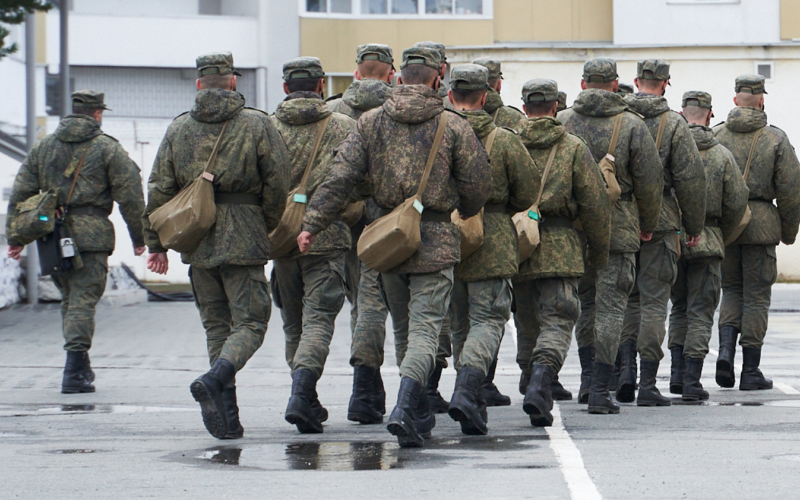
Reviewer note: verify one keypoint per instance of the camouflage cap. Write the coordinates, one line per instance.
(696, 98)
(469, 77)
(302, 67)
(751, 84)
(438, 47)
(562, 101)
(422, 55)
(652, 69)
(541, 90)
(625, 88)
(600, 70)
(493, 65)
(374, 52)
(89, 99)
(216, 63)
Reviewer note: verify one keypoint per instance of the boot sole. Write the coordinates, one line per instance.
(405, 438)
(497, 402)
(693, 398)
(468, 425)
(305, 420)
(213, 419)
(563, 397)
(626, 393)
(603, 410)
(653, 404)
(364, 419)
(725, 376)
(537, 416)
(751, 387)
(235, 435)
(77, 391)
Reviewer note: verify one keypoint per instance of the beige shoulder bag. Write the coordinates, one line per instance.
(739, 229)
(393, 239)
(607, 165)
(527, 223)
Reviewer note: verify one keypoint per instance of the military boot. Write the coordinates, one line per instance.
(88, 373)
(676, 370)
(726, 377)
(613, 382)
(321, 411)
(752, 379)
(649, 395)
(465, 406)
(558, 391)
(538, 400)
(425, 418)
(600, 402)
(402, 421)
(437, 402)
(524, 380)
(235, 429)
(626, 388)
(491, 393)
(301, 411)
(362, 406)
(74, 380)
(586, 356)
(378, 393)
(207, 390)
(692, 388)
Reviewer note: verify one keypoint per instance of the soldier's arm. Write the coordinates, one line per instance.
(787, 190)
(523, 176)
(594, 208)
(161, 187)
(26, 185)
(471, 169)
(734, 196)
(126, 189)
(688, 179)
(648, 176)
(275, 168)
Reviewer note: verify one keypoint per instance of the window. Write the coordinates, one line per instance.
(460, 7)
(329, 6)
(766, 69)
(337, 84)
(367, 8)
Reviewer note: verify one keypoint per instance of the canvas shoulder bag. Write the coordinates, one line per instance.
(393, 239)
(527, 223)
(182, 222)
(748, 214)
(283, 239)
(607, 165)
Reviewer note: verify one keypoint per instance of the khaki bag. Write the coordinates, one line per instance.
(353, 212)
(283, 239)
(472, 229)
(183, 221)
(527, 223)
(607, 166)
(395, 237)
(748, 214)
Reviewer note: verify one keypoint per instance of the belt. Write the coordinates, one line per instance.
(427, 215)
(712, 222)
(626, 197)
(237, 199)
(89, 210)
(556, 221)
(494, 208)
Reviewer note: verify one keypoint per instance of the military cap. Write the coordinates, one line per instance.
(751, 84)
(493, 65)
(541, 90)
(302, 67)
(600, 70)
(696, 98)
(89, 99)
(216, 63)
(469, 77)
(422, 55)
(625, 88)
(438, 47)
(652, 69)
(374, 52)
(562, 101)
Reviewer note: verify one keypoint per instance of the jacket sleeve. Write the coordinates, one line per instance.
(594, 207)
(648, 176)
(125, 179)
(26, 185)
(275, 167)
(688, 179)
(787, 190)
(161, 187)
(523, 178)
(471, 169)
(734, 196)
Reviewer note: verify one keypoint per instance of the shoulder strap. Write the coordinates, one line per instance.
(496, 112)
(752, 151)
(437, 144)
(490, 141)
(547, 171)
(78, 172)
(661, 126)
(612, 146)
(320, 132)
(210, 163)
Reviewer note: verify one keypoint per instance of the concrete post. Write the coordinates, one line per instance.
(30, 132)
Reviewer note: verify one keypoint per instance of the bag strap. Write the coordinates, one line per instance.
(547, 171)
(75, 180)
(661, 126)
(496, 112)
(490, 141)
(612, 146)
(210, 163)
(323, 125)
(437, 144)
(752, 151)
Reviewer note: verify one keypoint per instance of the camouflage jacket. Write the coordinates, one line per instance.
(361, 96)
(726, 196)
(639, 170)
(513, 185)
(108, 175)
(683, 169)
(574, 189)
(390, 146)
(774, 175)
(504, 116)
(251, 158)
(296, 118)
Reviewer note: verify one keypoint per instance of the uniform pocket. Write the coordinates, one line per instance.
(336, 286)
(260, 307)
(769, 273)
(668, 258)
(569, 304)
(627, 273)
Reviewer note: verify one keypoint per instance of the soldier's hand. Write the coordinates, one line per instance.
(305, 240)
(693, 241)
(137, 251)
(158, 263)
(645, 236)
(13, 252)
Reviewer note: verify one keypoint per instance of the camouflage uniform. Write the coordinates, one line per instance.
(562, 101)
(625, 89)
(503, 116)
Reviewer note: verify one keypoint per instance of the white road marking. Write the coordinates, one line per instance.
(713, 352)
(512, 328)
(569, 458)
(785, 388)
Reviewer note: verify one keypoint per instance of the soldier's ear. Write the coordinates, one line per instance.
(199, 85)
(483, 99)
(357, 75)
(583, 84)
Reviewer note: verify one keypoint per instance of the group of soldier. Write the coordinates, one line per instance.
(607, 264)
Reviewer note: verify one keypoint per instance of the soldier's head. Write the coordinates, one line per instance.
(439, 48)
(89, 103)
(495, 74)
(562, 101)
(303, 74)
(540, 97)
(375, 61)
(750, 91)
(216, 71)
(652, 76)
(420, 66)
(600, 73)
(697, 107)
(625, 89)
(468, 86)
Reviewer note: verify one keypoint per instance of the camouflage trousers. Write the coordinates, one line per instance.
(81, 290)
(369, 335)
(547, 309)
(234, 307)
(612, 286)
(646, 314)
(445, 349)
(311, 290)
(584, 327)
(419, 304)
(695, 296)
(479, 311)
(748, 273)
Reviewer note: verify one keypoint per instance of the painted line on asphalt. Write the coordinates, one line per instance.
(569, 458)
(785, 388)
(713, 352)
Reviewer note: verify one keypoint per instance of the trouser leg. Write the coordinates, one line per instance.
(289, 278)
(760, 271)
(678, 322)
(658, 263)
(704, 282)
(584, 328)
(527, 322)
(631, 323)
(730, 313)
(369, 336)
(614, 285)
(459, 319)
(558, 310)
(489, 310)
(81, 290)
(444, 347)
(397, 293)
(352, 269)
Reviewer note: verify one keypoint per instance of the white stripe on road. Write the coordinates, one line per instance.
(569, 458)
(713, 352)
(512, 328)
(785, 388)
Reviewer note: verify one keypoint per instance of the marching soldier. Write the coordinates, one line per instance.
(503, 116)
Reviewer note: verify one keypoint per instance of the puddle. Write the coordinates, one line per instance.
(37, 410)
(75, 451)
(782, 403)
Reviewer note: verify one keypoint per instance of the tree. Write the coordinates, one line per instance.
(14, 12)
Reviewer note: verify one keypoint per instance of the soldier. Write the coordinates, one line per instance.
(107, 175)
(562, 101)
(695, 294)
(503, 116)
(750, 266)
(656, 265)
(373, 81)
(251, 178)
(442, 92)
(310, 285)
(593, 117)
(390, 145)
(546, 288)
(625, 89)
(481, 302)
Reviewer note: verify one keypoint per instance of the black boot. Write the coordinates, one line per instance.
(425, 418)
(613, 382)
(88, 373)
(491, 394)
(726, 377)
(752, 378)
(465, 406)
(692, 388)
(74, 380)
(524, 380)
(538, 400)
(437, 402)
(558, 391)
(301, 411)
(235, 429)
(362, 405)
(378, 393)
(600, 402)
(402, 421)
(586, 356)
(626, 388)
(321, 411)
(207, 390)
(649, 394)
(676, 370)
